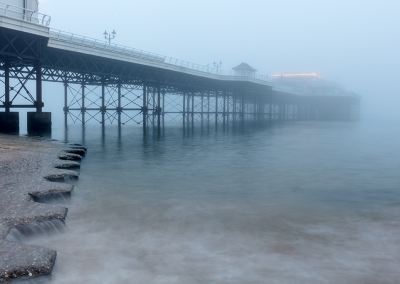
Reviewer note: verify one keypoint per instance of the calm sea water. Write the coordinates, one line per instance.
(298, 202)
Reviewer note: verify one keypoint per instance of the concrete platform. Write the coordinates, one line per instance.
(39, 122)
(9, 122)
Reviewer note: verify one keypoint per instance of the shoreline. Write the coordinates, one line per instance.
(31, 168)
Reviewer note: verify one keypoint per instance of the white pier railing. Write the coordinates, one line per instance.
(24, 14)
(20, 13)
(129, 51)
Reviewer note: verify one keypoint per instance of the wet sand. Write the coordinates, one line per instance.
(31, 168)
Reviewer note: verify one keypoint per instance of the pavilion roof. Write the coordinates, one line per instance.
(244, 66)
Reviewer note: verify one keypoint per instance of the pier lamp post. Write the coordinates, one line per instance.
(109, 36)
(217, 65)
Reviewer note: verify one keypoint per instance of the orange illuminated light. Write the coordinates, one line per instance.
(298, 75)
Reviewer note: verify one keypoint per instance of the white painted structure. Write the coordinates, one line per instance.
(244, 69)
(25, 10)
(32, 5)
(14, 16)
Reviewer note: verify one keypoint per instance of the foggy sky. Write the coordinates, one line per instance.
(354, 43)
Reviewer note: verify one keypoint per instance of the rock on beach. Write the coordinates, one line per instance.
(29, 168)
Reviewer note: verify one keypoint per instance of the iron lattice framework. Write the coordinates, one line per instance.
(110, 91)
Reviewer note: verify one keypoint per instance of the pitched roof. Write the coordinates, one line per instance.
(244, 66)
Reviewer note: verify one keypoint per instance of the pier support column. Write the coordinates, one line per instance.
(39, 100)
(39, 122)
(103, 108)
(83, 109)
(193, 109)
(188, 108)
(7, 103)
(9, 121)
(144, 106)
(163, 107)
(255, 109)
(65, 103)
(227, 109)
(243, 105)
(208, 107)
(224, 109)
(202, 107)
(119, 109)
(234, 107)
(153, 105)
(158, 109)
(184, 110)
(216, 109)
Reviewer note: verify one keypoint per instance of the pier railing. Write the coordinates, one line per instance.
(20, 13)
(31, 16)
(129, 51)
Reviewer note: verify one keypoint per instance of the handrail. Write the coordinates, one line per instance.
(24, 14)
(129, 51)
(20, 13)
(157, 58)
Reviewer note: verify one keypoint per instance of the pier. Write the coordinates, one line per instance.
(108, 83)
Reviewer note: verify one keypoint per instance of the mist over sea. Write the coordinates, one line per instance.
(293, 202)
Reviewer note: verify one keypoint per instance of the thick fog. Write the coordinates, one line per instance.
(354, 43)
(309, 202)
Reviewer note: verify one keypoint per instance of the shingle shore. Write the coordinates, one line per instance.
(28, 168)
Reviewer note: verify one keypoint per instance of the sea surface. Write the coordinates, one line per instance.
(293, 202)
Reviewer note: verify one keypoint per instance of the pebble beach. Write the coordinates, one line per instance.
(31, 168)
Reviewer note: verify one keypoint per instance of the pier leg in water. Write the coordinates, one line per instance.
(65, 103)
(39, 122)
(144, 107)
(158, 109)
(183, 111)
(9, 121)
(83, 109)
(119, 109)
(103, 108)
(193, 110)
(216, 110)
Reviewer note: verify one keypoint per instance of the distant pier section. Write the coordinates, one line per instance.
(108, 83)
